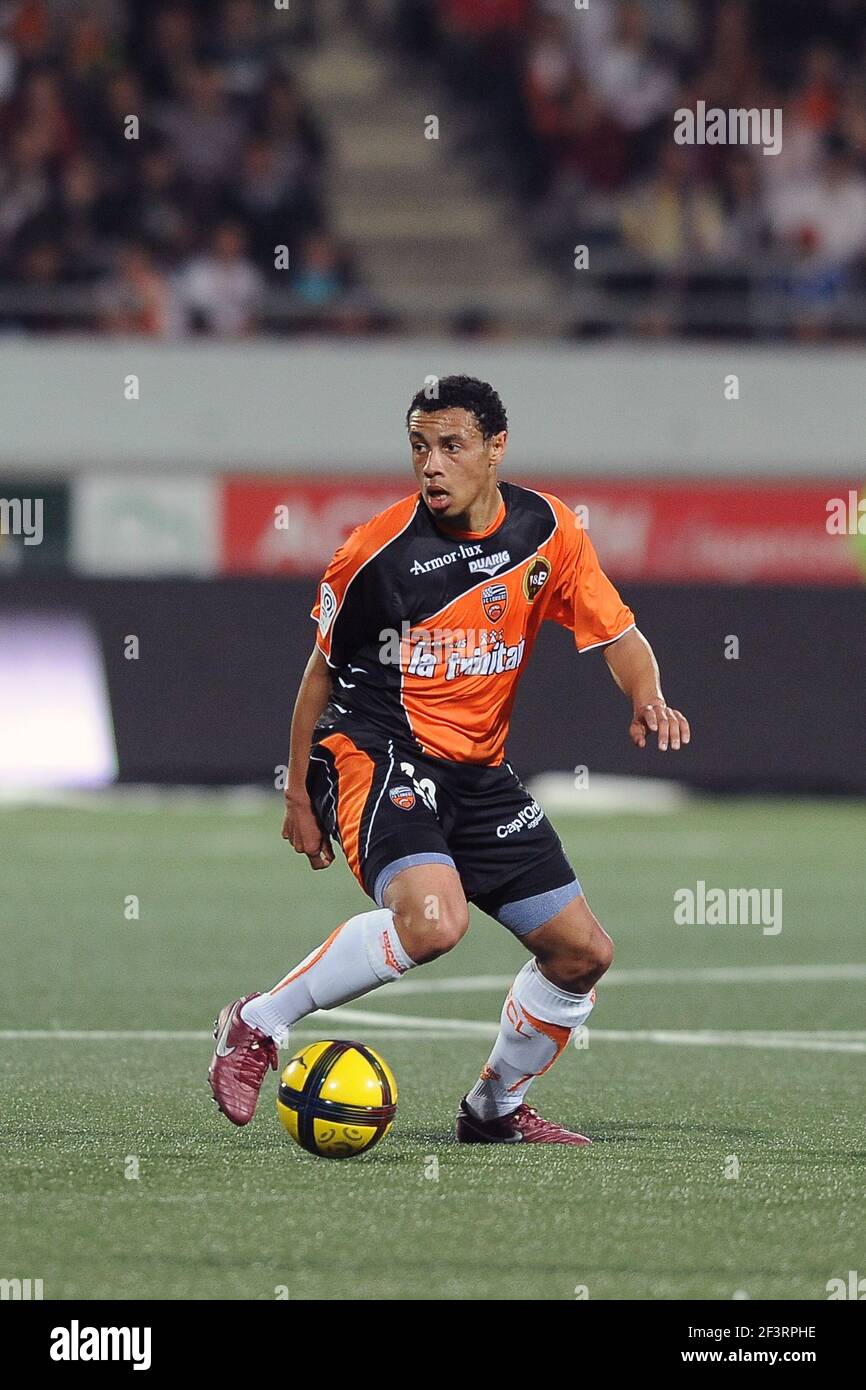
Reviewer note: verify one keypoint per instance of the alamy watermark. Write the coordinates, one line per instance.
(20, 1289)
(22, 516)
(853, 1287)
(729, 907)
(77, 1343)
(463, 651)
(736, 126)
(846, 516)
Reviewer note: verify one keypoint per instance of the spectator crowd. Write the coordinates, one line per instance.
(585, 99)
(154, 156)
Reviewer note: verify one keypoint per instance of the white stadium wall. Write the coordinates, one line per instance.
(647, 411)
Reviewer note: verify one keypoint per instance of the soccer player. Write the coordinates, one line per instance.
(426, 618)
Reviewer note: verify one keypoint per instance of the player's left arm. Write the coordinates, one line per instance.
(635, 670)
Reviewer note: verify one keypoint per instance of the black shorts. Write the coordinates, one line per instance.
(391, 807)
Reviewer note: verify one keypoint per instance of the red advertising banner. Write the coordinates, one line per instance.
(672, 532)
(289, 526)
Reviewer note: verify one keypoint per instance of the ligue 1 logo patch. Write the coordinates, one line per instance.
(327, 608)
(404, 797)
(494, 599)
(536, 577)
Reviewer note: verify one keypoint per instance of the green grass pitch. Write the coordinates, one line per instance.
(649, 1212)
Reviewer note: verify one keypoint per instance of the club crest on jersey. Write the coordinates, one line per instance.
(536, 577)
(494, 600)
(403, 797)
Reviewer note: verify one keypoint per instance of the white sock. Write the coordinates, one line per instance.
(361, 955)
(537, 1022)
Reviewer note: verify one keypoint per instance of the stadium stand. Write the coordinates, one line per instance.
(305, 129)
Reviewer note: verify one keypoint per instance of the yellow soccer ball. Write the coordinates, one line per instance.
(337, 1099)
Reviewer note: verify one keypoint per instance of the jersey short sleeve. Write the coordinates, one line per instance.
(339, 609)
(353, 599)
(582, 597)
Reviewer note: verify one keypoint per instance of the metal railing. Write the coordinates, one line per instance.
(622, 294)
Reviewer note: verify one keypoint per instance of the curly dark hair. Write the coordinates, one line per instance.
(464, 393)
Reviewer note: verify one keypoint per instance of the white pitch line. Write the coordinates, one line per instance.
(738, 975)
(470, 1029)
(445, 1025)
(102, 1035)
(409, 1024)
(795, 1042)
(688, 975)
(455, 1029)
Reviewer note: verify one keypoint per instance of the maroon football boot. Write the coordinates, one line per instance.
(240, 1062)
(522, 1126)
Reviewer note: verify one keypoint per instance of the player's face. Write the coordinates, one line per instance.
(454, 464)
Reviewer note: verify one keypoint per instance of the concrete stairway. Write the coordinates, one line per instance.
(428, 238)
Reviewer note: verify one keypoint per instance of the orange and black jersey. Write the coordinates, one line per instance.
(428, 629)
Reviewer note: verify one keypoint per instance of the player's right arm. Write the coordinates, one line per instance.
(300, 825)
(347, 612)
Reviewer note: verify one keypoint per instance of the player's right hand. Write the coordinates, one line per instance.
(306, 835)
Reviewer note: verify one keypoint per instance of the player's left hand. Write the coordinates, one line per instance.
(671, 726)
